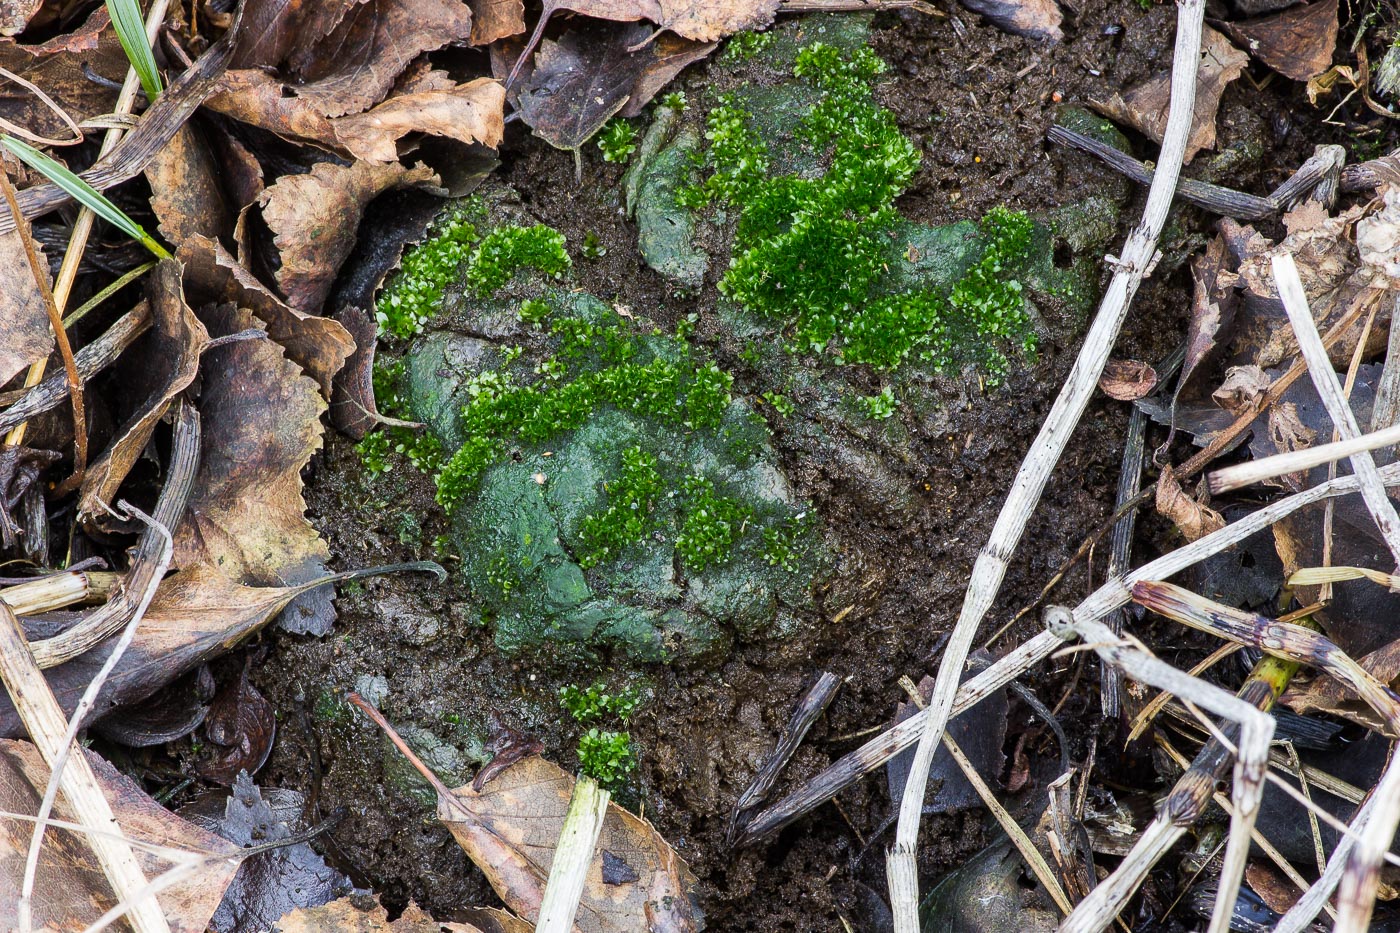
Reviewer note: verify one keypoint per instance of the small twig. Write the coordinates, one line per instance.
(1228, 479)
(990, 567)
(1324, 378)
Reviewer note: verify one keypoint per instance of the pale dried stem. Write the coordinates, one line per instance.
(1030, 480)
(1329, 389)
(573, 856)
(43, 718)
(89, 699)
(1250, 472)
(1097, 911)
(57, 591)
(82, 228)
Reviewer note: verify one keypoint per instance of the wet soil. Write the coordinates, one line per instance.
(979, 103)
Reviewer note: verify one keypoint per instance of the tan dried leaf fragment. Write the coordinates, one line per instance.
(1191, 517)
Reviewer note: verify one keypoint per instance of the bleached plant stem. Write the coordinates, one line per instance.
(85, 704)
(46, 724)
(573, 856)
(1256, 471)
(1329, 389)
(1097, 911)
(1361, 880)
(1029, 483)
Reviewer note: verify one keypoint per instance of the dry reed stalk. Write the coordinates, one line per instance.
(573, 856)
(1096, 912)
(990, 568)
(46, 724)
(1329, 389)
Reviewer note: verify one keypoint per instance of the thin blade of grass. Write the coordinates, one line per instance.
(131, 32)
(83, 193)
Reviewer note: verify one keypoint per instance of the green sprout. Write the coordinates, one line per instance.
(606, 756)
(84, 193)
(507, 250)
(712, 525)
(131, 33)
(881, 406)
(630, 500)
(617, 140)
(590, 704)
(415, 293)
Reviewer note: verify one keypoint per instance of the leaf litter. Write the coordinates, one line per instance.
(261, 159)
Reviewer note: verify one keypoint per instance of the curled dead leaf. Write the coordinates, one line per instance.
(61, 67)
(493, 20)
(1144, 107)
(75, 892)
(1297, 43)
(1127, 380)
(471, 112)
(1192, 518)
(1287, 432)
(314, 217)
(1242, 388)
(24, 316)
(1034, 19)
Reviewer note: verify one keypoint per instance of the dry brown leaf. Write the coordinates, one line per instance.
(1127, 380)
(1296, 43)
(318, 345)
(575, 85)
(471, 112)
(496, 19)
(58, 66)
(1287, 432)
(1276, 891)
(1034, 19)
(1378, 235)
(168, 362)
(185, 192)
(24, 316)
(1241, 389)
(73, 891)
(254, 97)
(352, 915)
(1212, 307)
(1191, 517)
(353, 410)
(1144, 107)
(314, 218)
(246, 516)
(15, 15)
(272, 29)
(196, 615)
(353, 67)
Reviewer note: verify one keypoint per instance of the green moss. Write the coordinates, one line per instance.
(631, 497)
(414, 294)
(745, 45)
(422, 449)
(813, 252)
(712, 524)
(617, 140)
(881, 406)
(591, 704)
(507, 250)
(597, 362)
(606, 756)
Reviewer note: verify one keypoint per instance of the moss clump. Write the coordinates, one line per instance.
(423, 450)
(617, 140)
(631, 497)
(596, 363)
(590, 704)
(711, 526)
(606, 756)
(415, 293)
(744, 45)
(813, 252)
(507, 250)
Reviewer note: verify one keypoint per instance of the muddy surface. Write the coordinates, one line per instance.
(978, 102)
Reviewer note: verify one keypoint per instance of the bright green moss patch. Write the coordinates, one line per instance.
(711, 526)
(617, 140)
(507, 250)
(606, 756)
(415, 293)
(813, 252)
(631, 497)
(590, 704)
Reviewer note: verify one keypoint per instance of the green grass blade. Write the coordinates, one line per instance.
(131, 32)
(83, 193)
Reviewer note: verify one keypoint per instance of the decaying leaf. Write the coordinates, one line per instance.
(471, 112)
(496, 19)
(24, 318)
(353, 915)
(1144, 107)
(257, 98)
(171, 713)
(1378, 235)
(1287, 432)
(60, 66)
(1296, 43)
(241, 725)
(314, 216)
(318, 345)
(510, 826)
(353, 411)
(980, 732)
(354, 66)
(185, 192)
(273, 29)
(15, 14)
(1241, 389)
(1191, 517)
(169, 360)
(1034, 19)
(1212, 307)
(1127, 380)
(573, 86)
(273, 883)
(246, 516)
(74, 889)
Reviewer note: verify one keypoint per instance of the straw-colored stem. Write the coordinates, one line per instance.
(573, 856)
